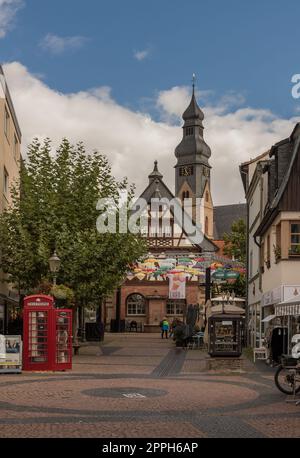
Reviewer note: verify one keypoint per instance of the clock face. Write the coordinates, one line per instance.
(186, 171)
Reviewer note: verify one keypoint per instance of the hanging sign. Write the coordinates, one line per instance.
(177, 286)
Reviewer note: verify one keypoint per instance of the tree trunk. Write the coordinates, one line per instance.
(75, 325)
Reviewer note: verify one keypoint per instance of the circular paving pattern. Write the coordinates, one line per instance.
(128, 392)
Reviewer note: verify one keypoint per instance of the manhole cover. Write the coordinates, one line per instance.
(131, 393)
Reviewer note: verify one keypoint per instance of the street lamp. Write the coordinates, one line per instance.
(54, 264)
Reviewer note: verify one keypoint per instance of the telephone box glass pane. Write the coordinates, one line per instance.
(38, 337)
(63, 336)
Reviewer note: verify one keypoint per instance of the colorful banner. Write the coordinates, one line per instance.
(177, 286)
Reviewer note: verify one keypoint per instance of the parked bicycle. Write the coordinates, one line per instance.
(287, 376)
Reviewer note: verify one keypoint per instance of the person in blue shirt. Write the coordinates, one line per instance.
(164, 328)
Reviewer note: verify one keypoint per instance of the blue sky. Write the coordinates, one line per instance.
(128, 66)
(248, 47)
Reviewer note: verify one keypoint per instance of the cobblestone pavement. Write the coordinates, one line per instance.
(138, 385)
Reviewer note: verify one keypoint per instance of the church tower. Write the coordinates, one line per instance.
(192, 171)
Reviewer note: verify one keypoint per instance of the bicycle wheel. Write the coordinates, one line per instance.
(285, 379)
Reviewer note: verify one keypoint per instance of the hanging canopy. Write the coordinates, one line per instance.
(268, 318)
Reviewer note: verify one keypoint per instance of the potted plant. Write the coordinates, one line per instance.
(64, 296)
(277, 252)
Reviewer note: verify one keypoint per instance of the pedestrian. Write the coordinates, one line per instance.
(173, 327)
(165, 328)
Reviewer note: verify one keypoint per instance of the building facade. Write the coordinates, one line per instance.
(273, 198)
(10, 157)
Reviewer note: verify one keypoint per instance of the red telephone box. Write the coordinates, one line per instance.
(47, 335)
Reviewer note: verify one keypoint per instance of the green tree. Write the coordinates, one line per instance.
(54, 206)
(235, 241)
(238, 287)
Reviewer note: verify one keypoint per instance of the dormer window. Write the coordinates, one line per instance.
(189, 131)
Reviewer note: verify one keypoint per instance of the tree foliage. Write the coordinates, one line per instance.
(54, 207)
(235, 241)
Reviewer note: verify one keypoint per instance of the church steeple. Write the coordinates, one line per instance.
(193, 153)
(155, 174)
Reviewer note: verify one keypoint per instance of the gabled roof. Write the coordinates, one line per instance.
(153, 188)
(225, 215)
(273, 206)
(158, 189)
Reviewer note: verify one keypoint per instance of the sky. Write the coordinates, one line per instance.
(117, 75)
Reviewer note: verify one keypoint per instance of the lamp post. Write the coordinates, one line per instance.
(54, 264)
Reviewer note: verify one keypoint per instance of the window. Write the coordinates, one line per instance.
(136, 304)
(277, 247)
(206, 225)
(175, 307)
(262, 258)
(189, 131)
(5, 182)
(16, 144)
(268, 252)
(295, 239)
(251, 265)
(6, 123)
(207, 196)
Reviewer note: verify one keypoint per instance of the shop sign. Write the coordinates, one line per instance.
(290, 292)
(272, 297)
(37, 303)
(287, 310)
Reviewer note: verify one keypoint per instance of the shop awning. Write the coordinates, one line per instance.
(268, 318)
(291, 307)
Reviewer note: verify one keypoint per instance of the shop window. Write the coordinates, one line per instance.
(136, 304)
(295, 239)
(175, 307)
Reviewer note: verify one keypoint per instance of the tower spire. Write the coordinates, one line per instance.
(194, 80)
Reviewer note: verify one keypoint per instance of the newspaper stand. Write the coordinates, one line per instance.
(47, 335)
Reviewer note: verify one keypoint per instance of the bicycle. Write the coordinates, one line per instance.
(287, 376)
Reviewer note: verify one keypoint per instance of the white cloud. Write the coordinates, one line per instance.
(59, 45)
(132, 140)
(8, 10)
(141, 55)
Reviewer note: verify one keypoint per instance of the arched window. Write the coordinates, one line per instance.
(206, 225)
(136, 304)
(207, 196)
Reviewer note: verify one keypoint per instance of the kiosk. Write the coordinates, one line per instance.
(225, 335)
(47, 335)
